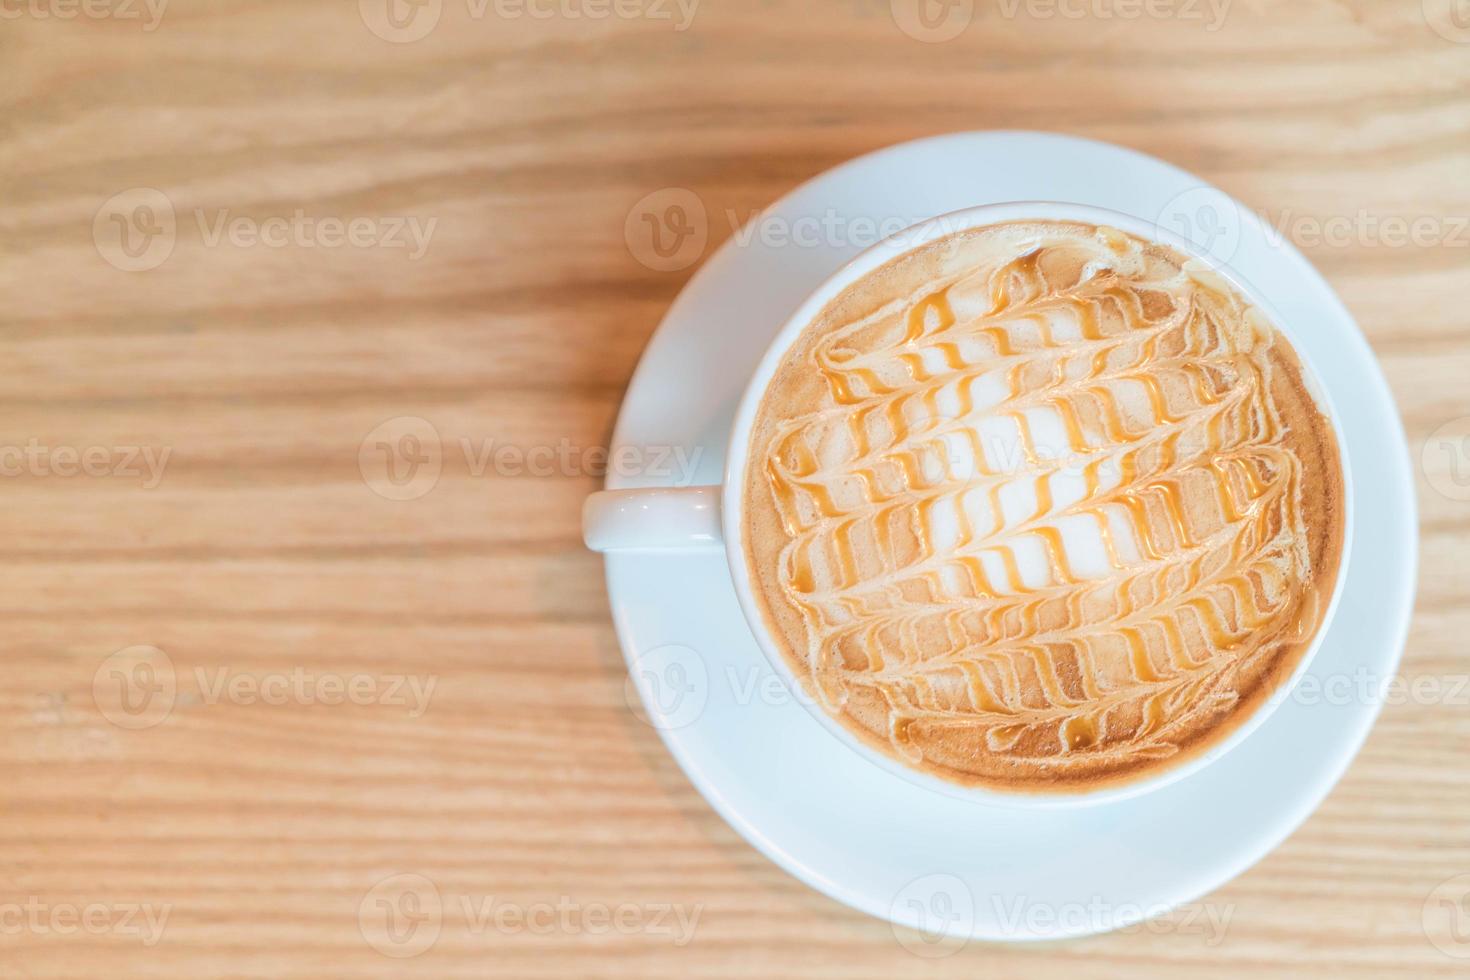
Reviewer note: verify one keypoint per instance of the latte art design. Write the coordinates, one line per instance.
(1043, 504)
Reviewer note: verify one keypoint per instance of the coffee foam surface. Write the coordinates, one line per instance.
(1042, 505)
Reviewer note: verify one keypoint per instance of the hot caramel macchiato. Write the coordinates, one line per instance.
(1042, 506)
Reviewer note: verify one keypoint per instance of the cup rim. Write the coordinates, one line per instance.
(900, 243)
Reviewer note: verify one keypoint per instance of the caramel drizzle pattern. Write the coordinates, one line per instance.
(1075, 669)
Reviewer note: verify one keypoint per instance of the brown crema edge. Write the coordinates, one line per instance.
(1307, 434)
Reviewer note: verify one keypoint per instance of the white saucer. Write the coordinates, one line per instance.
(951, 868)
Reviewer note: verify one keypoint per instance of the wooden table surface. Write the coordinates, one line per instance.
(253, 704)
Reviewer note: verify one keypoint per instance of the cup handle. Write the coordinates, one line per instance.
(653, 519)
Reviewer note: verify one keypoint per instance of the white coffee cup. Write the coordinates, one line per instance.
(681, 519)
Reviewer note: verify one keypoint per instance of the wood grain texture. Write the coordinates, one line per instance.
(261, 551)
